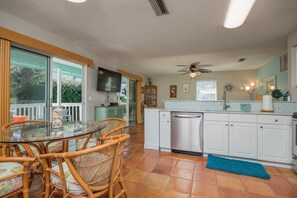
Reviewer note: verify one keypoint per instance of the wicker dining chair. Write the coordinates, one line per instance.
(14, 176)
(92, 172)
(114, 126)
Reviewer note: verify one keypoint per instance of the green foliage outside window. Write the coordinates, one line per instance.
(28, 86)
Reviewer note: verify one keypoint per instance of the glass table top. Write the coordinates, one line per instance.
(44, 131)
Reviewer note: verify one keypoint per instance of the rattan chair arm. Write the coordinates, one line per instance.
(17, 159)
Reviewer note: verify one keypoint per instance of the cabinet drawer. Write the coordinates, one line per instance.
(216, 116)
(242, 118)
(164, 114)
(271, 119)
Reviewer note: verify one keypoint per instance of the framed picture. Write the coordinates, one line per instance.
(270, 84)
(173, 90)
(185, 87)
(284, 63)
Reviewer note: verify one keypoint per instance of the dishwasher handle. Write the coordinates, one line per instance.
(187, 116)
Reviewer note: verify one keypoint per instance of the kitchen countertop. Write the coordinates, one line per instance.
(232, 112)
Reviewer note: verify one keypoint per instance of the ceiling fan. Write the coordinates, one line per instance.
(194, 69)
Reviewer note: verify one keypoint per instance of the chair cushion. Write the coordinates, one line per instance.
(55, 147)
(72, 186)
(23, 151)
(11, 184)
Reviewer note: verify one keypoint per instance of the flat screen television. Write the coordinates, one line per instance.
(108, 81)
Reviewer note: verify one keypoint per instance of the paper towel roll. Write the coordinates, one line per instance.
(267, 103)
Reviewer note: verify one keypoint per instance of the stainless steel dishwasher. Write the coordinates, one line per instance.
(186, 133)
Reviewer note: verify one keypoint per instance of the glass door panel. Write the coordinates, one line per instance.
(132, 102)
(29, 87)
(123, 98)
(67, 89)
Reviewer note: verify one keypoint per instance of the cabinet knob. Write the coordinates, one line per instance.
(167, 121)
(261, 127)
(226, 124)
(276, 120)
(231, 124)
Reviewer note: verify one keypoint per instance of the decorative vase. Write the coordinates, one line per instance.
(57, 118)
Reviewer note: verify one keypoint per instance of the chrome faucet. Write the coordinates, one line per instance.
(225, 106)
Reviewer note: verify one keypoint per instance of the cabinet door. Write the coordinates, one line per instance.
(165, 133)
(243, 140)
(110, 113)
(119, 112)
(275, 143)
(215, 136)
(100, 113)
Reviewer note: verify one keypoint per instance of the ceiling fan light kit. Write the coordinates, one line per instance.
(194, 69)
(237, 13)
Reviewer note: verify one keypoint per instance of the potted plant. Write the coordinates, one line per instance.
(276, 94)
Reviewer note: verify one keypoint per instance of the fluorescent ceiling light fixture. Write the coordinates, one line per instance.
(77, 1)
(237, 12)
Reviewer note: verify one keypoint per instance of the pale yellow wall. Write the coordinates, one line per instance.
(235, 77)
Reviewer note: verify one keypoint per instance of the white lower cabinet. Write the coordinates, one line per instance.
(243, 140)
(274, 143)
(165, 133)
(215, 136)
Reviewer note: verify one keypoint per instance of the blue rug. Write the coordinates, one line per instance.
(236, 166)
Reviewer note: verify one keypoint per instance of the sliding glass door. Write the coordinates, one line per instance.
(29, 85)
(39, 83)
(128, 98)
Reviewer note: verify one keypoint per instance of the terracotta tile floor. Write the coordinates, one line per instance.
(151, 173)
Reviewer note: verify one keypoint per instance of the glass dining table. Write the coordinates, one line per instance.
(39, 133)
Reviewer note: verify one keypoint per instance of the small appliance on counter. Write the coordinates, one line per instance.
(294, 146)
(267, 104)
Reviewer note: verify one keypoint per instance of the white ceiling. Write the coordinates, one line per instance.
(129, 31)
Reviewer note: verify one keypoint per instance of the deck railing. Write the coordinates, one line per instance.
(35, 111)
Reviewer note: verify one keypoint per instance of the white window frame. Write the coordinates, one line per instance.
(216, 94)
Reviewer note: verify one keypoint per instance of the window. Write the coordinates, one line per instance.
(206, 90)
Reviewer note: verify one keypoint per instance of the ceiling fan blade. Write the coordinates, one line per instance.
(185, 73)
(183, 65)
(195, 64)
(204, 70)
(183, 70)
(205, 65)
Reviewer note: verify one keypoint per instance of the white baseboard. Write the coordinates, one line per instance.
(151, 146)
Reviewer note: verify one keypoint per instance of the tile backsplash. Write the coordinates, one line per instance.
(190, 105)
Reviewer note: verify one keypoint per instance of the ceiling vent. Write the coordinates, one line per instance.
(241, 59)
(159, 7)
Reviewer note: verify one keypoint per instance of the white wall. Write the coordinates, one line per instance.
(16, 24)
(292, 64)
(235, 77)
